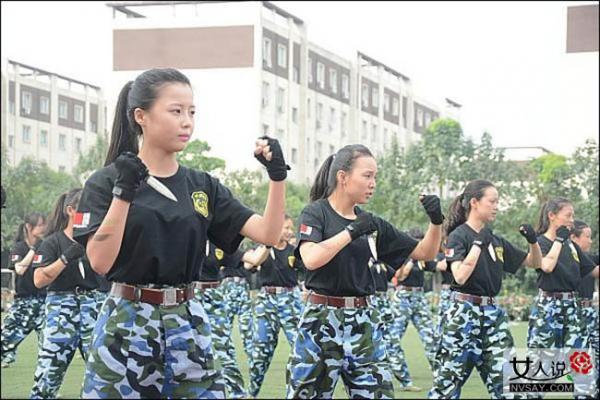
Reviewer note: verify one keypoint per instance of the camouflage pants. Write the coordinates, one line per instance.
(271, 313)
(141, 350)
(589, 320)
(25, 315)
(472, 336)
(237, 297)
(443, 306)
(70, 320)
(338, 341)
(414, 307)
(217, 309)
(100, 298)
(555, 323)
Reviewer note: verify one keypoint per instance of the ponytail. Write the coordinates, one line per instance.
(551, 206)
(141, 93)
(59, 219)
(326, 180)
(460, 207)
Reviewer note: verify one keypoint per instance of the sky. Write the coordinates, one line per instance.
(504, 62)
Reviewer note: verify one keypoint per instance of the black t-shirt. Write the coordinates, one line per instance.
(209, 272)
(348, 272)
(447, 277)
(77, 274)
(279, 268)
(103, 283)
(381, 274)
(231, 265)
(24, 286)
(164, 242)
(572, 265)
(416, 275)
(586, 289)
(501, 256)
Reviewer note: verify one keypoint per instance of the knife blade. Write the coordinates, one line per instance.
(160, 188)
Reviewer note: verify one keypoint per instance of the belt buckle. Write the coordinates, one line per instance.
(565, 296)
(349, 302)
(78, 290)
(485, 301)
(169, 297)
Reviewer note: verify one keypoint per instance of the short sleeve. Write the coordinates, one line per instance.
(93, 206)
(46, 254)
(229, 217)
(17, 253)
(513, 257)
(310, 226)
(393, 246)
(586, 262)
(456, 248)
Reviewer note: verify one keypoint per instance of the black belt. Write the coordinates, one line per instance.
(77, 290)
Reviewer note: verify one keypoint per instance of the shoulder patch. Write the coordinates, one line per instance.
(449, 252)
(499, 252)
(200, 200)
(219, 254)
(305, 229)
(291, 261)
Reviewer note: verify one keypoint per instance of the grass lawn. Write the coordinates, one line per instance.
(17, 380)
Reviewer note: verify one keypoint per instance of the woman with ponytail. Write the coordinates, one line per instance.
(61, 266)
(153, 335)
(339, 244)
(27, 310)
(555, 320)
(475, 329)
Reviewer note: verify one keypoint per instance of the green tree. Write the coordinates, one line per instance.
(193, 156)
(92, 160)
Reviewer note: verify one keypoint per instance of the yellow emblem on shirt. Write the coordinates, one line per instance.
(499, 253)
(200, 200)
(219, 254)
(291, 261)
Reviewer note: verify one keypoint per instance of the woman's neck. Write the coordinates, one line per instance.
(281, 245)
(159, 162)
(551, 233)
(30, 240)
(342, 204)
(475, 223)
(69, 229)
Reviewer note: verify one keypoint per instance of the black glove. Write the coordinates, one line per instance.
(483, 239)
(74, 252)
(433, 208)
(131, 172)
(276, 168)
(364, 224)
(562, 234)
(528, 233)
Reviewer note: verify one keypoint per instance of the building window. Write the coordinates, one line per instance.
(308, 108)
(386, 102)
(11, 141)
(26, 134)
(295, 115)
(374, 133)
(281, 55)
(395, 110)
(319, 149)
(375, 97)
(93, 126)
(11, 107)
(344, 123)
(331, 118)
(280, 134)
(44, 138)
(267, 52)
(333, 84)
(26, 102)
(420, 117)
(365, 130)
(78, 145)
(62, 142)
(265, 94)
(296, 74)
(280, 101)
(319, 114)
(427, 119)
(345, 86)
(294, 156)
(265, 129)
(310, 70)
(78, 113)
(365, 95)
(62, 109)
(321, 75)
(44, 105)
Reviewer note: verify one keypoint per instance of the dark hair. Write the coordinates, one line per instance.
(32, 219)
(343, 160)
(416, 233)
(578, 227)
(461, 206)
(59, 219)
(554, 206)
(140, 93)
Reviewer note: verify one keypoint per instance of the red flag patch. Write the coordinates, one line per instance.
(449, 252)
(15, 257)
(38, 258)
(305, 229)
(81, 220)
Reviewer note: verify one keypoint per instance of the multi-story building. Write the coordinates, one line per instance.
(49, 117)
(255, 72)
